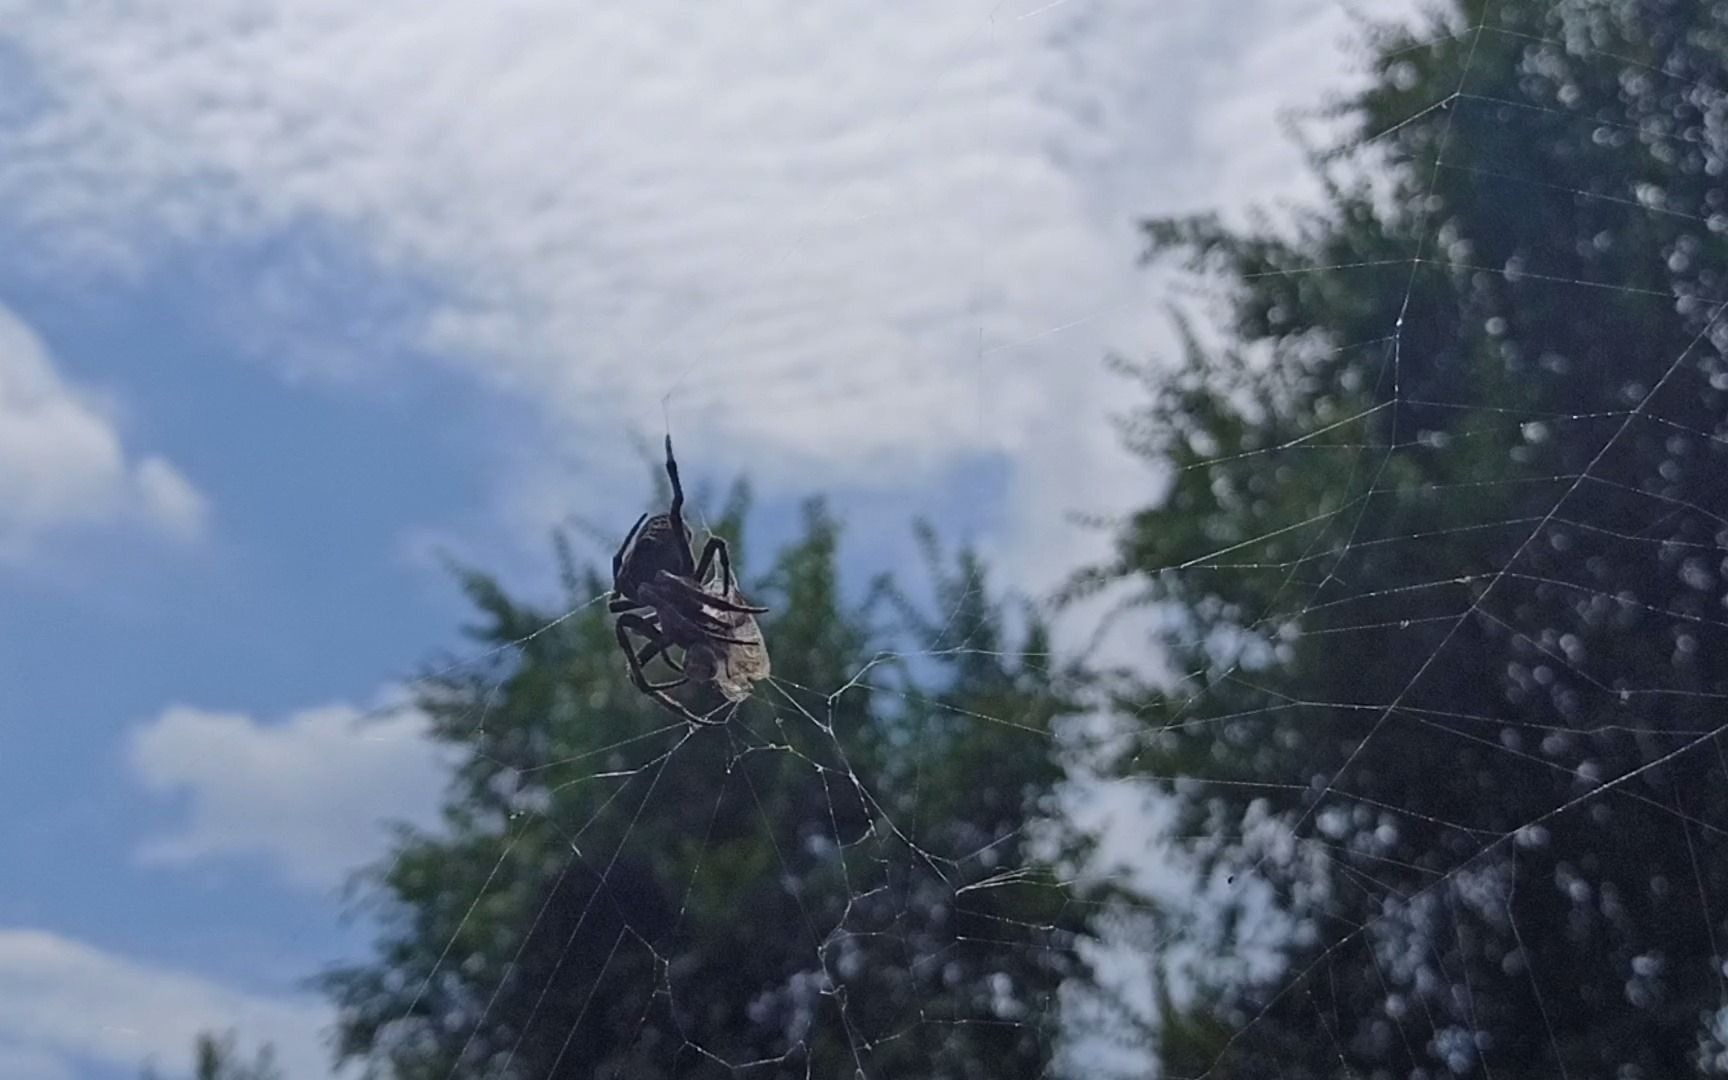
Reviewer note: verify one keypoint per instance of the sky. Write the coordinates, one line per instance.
(300, 296)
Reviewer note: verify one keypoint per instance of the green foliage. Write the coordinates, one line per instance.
(837, 878)
(1442, 553)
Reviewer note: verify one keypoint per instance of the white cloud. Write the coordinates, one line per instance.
(169, 499)
(62, 463)
(759, 206)
(311, 793)
(802, 222)
(64, 1003)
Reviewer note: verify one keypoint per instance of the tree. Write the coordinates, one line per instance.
(820, 882)
(218, 1058)
(1441, 556)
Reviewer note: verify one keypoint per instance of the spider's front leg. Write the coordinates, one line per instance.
(675, 514)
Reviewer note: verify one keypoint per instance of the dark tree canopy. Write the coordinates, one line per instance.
(818, 886)
(1442, 560)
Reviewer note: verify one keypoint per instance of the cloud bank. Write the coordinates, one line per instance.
(818, 229)
(65, 1003)
(310, 794)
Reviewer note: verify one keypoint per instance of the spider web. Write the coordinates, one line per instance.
(895, 862)
(802, 727)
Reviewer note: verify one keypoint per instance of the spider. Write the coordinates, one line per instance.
(655, 571)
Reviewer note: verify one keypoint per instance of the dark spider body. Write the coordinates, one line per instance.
(665, 595)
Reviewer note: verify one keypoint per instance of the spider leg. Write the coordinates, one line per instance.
(705, 721)
(714, 629)
(686, 559)
(687, 605)
(624, 603)
(657, 691)
(645, 627)
(672, 474)
(660, 649)
(618, 556)
(716, 547)
(696, 591)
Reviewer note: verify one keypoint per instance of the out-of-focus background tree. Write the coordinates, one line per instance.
(1442, 554)
(219, 1057)
(832, 881)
